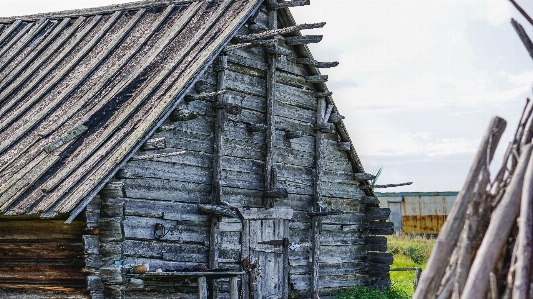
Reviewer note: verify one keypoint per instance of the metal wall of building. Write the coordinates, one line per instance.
(417, 212)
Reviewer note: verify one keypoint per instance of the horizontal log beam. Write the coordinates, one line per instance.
(256, 127)
(182, 115)
(363, 176)
(324, 94)
(374, 214)
(220, 210)
(326, 213)
(277, 51)
(315, 63)
(326, 127)
(370, 200)
(316, 79)
(266, 42)
(276, 193)
(294, 134)
(303, 40)
(286, 4)
(385, 186)
(335, 118)
(344, 146)
(272, 33)
(204, 96)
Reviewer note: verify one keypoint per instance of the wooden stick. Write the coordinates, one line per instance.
(493, 286)
(450, 232)
(465, 249)
(525, 237)
(522, 12)
(502, 220)
(523, 37)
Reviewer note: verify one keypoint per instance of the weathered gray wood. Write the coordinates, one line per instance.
(113, 189)
(112, 274)
(220, 210)
(267, 42)
(93, 262)
(111, 229)
(370, 200)
(335, 118)
(284, 4)
(373, 214)
(316, 79)
(182, 115)
(344, 146)
(91, 244)
(154, 143)
(525, 238)
(304, 39)
(449, 234)
(259, 214)
(94, 283)
(202, 287)
(376, 244)
(294, 134)
(273, 32)
(380, 258)
(497, 232)
(111, 251)
(112, 208)
(381, 227)
(363, 176)
(234, 290)
(523, 37)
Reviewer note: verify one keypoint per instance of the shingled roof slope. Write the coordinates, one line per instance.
(80, 91)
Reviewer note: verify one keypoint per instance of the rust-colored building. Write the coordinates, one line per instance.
(417, 212)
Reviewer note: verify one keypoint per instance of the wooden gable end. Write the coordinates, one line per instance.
(213, 151)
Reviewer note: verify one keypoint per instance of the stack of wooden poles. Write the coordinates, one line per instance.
(484, 248)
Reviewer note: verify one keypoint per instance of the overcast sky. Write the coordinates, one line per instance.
(418, 81)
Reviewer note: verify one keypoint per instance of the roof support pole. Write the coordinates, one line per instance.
(270, 114)
(316, 221)
(220, 68)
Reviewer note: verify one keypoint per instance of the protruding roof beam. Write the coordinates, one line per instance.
(265, 42)
(284, 4)
(303, 40)
(274, 32)
(316, 79)
(315, 63)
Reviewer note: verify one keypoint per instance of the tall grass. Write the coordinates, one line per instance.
(409, 251)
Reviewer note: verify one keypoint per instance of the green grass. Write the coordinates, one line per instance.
(409, 251)
(359, 292)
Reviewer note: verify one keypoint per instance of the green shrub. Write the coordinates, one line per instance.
(359, 292)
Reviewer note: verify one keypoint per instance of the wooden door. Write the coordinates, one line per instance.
(266, 257)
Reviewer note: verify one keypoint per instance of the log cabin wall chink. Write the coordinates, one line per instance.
(178, 149)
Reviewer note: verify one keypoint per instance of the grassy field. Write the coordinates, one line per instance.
(409, 251)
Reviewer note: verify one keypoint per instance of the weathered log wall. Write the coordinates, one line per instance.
(41, 259)
(173, 172)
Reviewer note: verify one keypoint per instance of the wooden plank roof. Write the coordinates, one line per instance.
(81, 90)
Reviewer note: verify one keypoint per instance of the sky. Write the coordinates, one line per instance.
(418, 80)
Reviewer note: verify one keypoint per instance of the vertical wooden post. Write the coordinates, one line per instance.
(245, 255)
(202, 287)
(270, 112)
(220, 68)
(316, 221)
(233, 289)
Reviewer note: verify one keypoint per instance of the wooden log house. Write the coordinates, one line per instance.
(195, 137)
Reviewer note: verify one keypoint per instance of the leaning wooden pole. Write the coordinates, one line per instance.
(450, 232)
(525, 238)
(497, 233)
